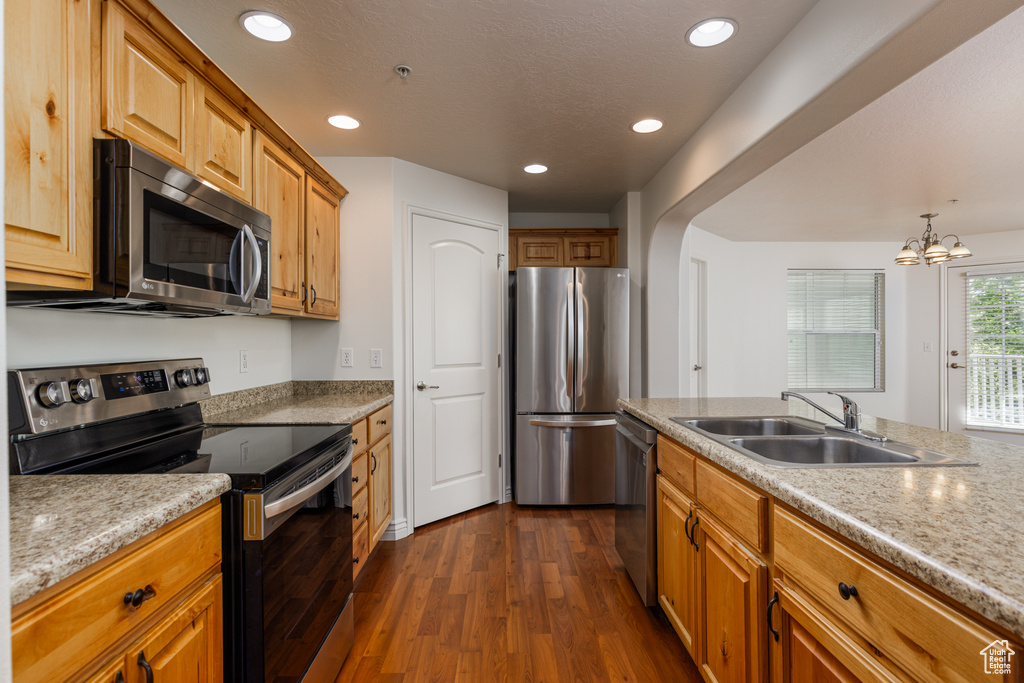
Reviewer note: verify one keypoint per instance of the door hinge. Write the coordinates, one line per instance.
(499, 360)
(499, 459)
(500, 256)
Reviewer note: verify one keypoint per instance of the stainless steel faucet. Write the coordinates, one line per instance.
(851, 412)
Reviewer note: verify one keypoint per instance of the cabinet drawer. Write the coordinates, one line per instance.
(380, 423)
(906, 625)
(360, 473)
(360, 548)
(78, 624)
(359, 438)
(677, 464)
(737, 505)
(360, 506)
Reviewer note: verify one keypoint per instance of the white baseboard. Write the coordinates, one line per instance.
(508, 495)
(398, 529)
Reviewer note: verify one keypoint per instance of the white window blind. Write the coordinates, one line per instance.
(995, 350)
(836, 330)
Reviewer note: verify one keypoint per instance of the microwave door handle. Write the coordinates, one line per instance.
(257, 269)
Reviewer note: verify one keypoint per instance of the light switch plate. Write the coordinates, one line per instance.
(927, 347)
(375, 358)
(346, 358)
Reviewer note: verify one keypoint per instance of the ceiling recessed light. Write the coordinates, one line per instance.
(266, 26)
(647, 126)
(342, 121)
(711, 32)
(535, 168)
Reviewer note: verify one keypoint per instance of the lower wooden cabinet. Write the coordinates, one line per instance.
(82, 628)
(371, 484)
(380, 489)
(677, 564)
(809, 660)
(730, 608)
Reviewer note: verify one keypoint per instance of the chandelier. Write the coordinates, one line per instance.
(930, 247)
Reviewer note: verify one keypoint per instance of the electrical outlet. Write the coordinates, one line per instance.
(346, 358)
(243, 360)
(375, 358)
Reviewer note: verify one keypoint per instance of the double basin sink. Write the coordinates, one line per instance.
(790, 441)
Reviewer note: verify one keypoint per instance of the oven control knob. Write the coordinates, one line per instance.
(81, 391)
(51, 394)
(183, 378)
(202, 375)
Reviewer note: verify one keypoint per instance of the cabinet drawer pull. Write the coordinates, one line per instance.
(693, 534)
(355, 442)
(355, 479)
(374, 459)
(145, 666)
(303, 293)
(355, 515)
(140, 596)
(771, 604)
(846, 591)
(686, 526)
(312, 289)
(384, 422)
(355, 560)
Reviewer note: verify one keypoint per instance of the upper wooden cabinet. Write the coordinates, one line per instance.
(223, 144)
(279, 191)
(570, 247)
(148, 94)
(142, 79)
(322, 226)
(48, 145)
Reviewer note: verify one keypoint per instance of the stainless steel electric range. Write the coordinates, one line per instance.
(287, 527)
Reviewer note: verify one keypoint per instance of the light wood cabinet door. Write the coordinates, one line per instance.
(186, 646)
(380, 489)
(806, 659)
(279, 192)
(586, 250)
(48, 143)
(677, 566)
(538, 251)
(323, 224)
(731, 608)
(223, 144)
(148, 94)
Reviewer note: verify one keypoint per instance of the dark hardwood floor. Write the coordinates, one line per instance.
(504, 593)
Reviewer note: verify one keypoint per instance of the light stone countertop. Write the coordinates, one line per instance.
(61, 524)
(957, 529)
(305, 409)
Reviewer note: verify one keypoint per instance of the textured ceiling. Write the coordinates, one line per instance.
(953, 131)
(495, 84)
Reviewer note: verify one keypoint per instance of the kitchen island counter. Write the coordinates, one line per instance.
(959, 530)
(61, 524)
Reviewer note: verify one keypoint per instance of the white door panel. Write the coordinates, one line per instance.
(456, 324)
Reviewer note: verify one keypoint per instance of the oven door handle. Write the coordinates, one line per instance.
(257, 259)
(299, 497)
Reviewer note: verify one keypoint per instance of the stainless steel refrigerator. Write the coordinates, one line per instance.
(571, 365)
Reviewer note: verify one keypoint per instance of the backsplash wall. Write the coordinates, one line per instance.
(40, 338)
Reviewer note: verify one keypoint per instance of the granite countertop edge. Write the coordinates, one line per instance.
(42, 562)
(305, 409)
(987, 601)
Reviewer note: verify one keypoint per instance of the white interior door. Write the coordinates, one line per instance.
(456, 322)
(698, 329)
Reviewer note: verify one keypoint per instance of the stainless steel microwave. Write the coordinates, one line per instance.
(166, 243)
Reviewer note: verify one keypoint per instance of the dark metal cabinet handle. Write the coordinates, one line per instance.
(303, 293)
(693, 534)
(355, 442)
(686, 526)
(384, 422)
(355, 560)
(145, 666)
(313, 289)
(355, 480)
(118, 677)
(846, 591)
(374, 460)
(355, 515)
(134, 599)
(771, 604)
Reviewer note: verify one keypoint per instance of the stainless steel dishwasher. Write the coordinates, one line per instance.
(636, 474)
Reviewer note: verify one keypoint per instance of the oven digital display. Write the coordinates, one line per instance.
(124, 384)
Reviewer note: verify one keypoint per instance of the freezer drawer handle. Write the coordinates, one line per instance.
(573, 423)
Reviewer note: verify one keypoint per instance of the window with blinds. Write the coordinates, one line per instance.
(995, 350)
(836, 324)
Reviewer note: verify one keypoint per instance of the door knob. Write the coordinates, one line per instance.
(698, 368)
(955, 366)
(423, 385)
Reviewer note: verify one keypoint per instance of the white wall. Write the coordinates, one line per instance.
(367, 234)
(747, 354)
(559, 220)
(39, 338)
(626, 216)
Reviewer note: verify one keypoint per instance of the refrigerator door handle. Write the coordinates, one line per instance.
(582, 362)
(573, 423)
(570, 333)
